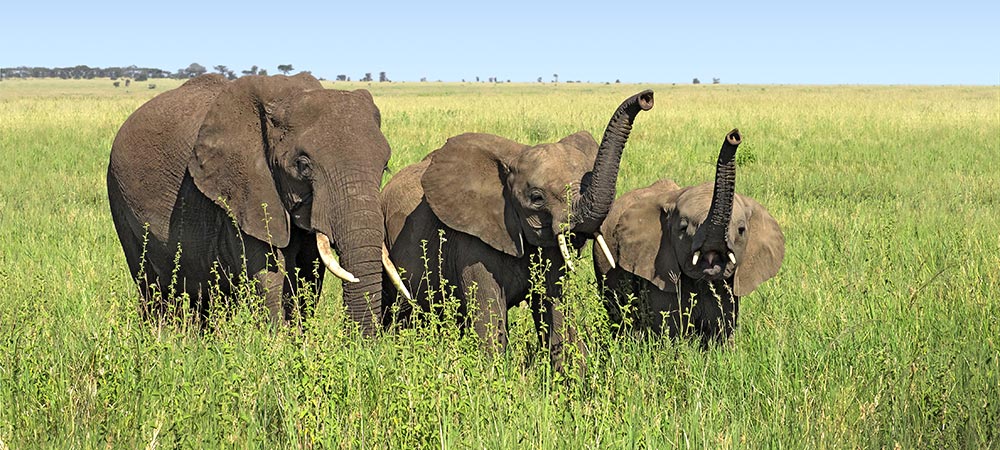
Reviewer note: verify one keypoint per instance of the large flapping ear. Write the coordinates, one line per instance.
(765, 249)
(583, 141)
(465, 185)
(230, 162)
(640, 231)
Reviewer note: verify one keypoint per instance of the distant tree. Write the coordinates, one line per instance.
(539, 79)
(262, 72)
(141, 76)
(617, 81)
(221, 69)
(285, 68)
(128, 82)
(477, 79)
(716, 81)
(383, 78)
(195, 69)
(423, 79)
(341, 77)
(555, 78)
(252, 71)
(695, 81)
(367, 78)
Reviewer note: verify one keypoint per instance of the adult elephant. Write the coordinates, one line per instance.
(686, 255)
(257, 176)
(499, 203)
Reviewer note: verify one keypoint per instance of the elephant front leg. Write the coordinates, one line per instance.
(267, 267)
(555, 331)
(489, 308)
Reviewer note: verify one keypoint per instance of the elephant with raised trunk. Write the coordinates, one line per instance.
(499, 203)
(265, 175)
(679, 259)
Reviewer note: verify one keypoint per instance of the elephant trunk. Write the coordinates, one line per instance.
(590, 209)
(712, 235)
(356, 226)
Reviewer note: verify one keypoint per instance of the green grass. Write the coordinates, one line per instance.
(880, 330)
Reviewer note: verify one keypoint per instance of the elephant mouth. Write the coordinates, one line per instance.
(712, 265)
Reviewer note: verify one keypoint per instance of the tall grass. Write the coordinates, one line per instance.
(880, 330)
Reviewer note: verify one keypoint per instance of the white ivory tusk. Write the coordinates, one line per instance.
(390, 269)
(330, 261)
(565, 251)
(604, 248)
(732, 258)
(694, 261)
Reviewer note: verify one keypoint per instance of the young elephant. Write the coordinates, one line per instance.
(499, 203)
(686, 255)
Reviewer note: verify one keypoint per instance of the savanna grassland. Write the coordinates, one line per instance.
(881, 330)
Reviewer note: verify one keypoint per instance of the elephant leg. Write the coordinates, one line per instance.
(554, 330)
(489, 318)
(305, 274)
(266, 266)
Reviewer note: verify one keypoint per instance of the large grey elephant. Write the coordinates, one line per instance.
(499, 203)
(679, 259)
(262, 176)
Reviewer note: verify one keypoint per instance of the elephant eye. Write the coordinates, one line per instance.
(536, 198)
(304, 166)
(741, 230)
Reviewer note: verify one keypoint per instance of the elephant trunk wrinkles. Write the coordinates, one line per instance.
(717, 222)
(590, 209)
(357, 230)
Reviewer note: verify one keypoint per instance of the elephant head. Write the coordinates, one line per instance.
(511, 195)
(704, 232)
(282, 152)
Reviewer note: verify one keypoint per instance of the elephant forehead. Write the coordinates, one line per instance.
(552, 164)
(695, 202)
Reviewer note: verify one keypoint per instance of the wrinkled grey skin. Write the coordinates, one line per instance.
(500, 204)
(653, 234)
(244, 174)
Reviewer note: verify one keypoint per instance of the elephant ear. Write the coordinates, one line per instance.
(230, 163)
(765, 249)
(465, 185)
(584, 142)
(640, 232)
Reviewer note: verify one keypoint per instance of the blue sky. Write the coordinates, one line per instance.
(866, 42)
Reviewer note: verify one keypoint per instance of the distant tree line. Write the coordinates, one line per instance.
(132, 72)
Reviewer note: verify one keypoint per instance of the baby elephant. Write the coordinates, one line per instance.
(678, 259)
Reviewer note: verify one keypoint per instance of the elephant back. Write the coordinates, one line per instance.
(157, 139)
(400, 198)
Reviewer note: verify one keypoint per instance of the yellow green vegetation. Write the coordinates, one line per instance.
(881, 328)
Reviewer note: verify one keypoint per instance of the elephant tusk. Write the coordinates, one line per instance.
(732, 258)
(565, 251)
(390, 269)
(330, 260)
(604, 248)
(694, 260)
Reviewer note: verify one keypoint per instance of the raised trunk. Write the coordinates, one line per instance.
(353, 220)
(590, 209)
(712, 235)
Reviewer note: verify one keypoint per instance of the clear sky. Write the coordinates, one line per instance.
(776, 41)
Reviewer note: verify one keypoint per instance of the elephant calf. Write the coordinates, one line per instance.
(685, 256)
(500, 203)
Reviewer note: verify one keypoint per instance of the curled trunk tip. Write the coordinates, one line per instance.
(734, 137)
(645, 99)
